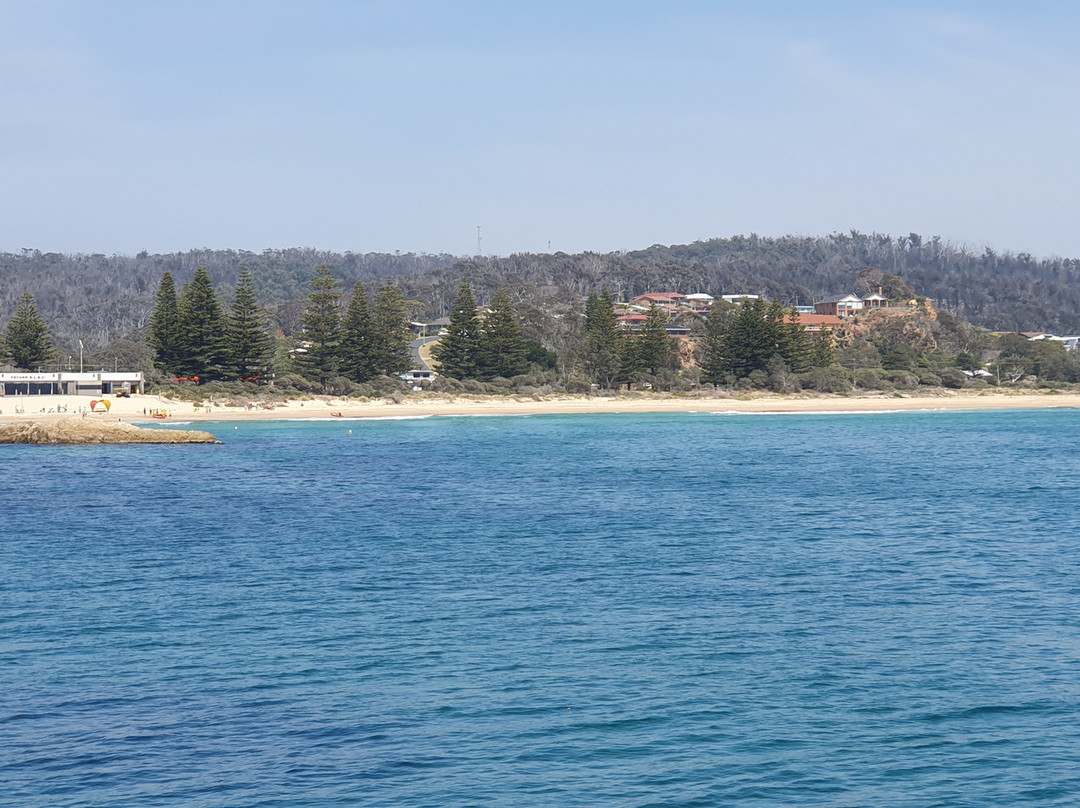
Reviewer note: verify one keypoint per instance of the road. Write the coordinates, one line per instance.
(414, 348)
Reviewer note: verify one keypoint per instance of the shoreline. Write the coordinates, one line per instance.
(137, 408)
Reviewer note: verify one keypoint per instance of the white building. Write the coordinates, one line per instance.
(70, 384)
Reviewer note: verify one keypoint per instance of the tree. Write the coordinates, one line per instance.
(792, 341)
(653, 346)
(164, 337)
(322, 328)
(501, 348)
(456, 352)
(357, 337)
(27, 340)
(823, 351)
(750, 342)
(543, 358)
(390, 332)
(604, 346)
(714, 364)
(247, 336)
(201, 329)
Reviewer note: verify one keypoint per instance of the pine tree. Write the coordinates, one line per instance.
(604, 343)
(390, 332)
(247, 337)
(750, 341)
(630, 364)
(501, 349)
(715, 368)
(357, 338)
(456, 352)
(201, 328)
(653, 343)
(794, 342)
(164, 336)
(590, 309)
(322, 328)
(27, 340)
(823, 352)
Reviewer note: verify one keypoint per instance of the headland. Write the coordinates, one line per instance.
(78, 431)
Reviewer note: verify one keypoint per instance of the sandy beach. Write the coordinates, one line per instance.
(139, 408)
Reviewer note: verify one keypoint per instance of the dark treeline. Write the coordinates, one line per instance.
(100, 298)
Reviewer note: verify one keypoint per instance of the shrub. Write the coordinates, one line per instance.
(833, 379)
(578, 386)
(953, 378)
(872, 379)
(929, 378)
(757, 380)
(781, 379)
(902, 379)
(340, 386)
(445, 384)
(386, 385)
(294, 381)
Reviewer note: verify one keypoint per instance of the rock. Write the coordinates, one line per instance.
(74, 431)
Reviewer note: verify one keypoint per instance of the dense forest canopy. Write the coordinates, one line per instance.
(101, 298)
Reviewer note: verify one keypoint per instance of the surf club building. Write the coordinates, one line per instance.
(70, 384)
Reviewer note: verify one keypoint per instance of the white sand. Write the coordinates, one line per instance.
(139, 408)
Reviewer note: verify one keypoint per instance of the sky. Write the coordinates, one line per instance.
(553, 126)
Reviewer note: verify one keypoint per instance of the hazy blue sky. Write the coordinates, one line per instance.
(381, 126)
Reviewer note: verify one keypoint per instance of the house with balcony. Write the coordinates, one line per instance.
(840, 306)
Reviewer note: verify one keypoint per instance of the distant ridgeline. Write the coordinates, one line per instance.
(99, 299)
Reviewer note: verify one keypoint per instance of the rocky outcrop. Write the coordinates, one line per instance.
(75, 431)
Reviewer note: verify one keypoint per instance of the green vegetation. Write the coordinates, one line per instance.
(604, 344)
(457, 352)
(488, 346)
(27, 342)
(545, 327)
(320, 358)
(758, 338)
(248, 343)
(202, 330)
(164, 333)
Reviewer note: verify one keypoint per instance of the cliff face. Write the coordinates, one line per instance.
(74, 431)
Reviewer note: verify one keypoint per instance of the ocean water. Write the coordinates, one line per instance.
(625, 610)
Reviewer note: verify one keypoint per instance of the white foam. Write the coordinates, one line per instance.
(325, 418)
(838, 412)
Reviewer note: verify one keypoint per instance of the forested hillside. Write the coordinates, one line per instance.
(1001, 292)
(99, 298)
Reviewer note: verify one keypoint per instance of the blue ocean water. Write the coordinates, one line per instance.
(629, 610)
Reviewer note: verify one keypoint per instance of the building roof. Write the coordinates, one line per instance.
(839, 298)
